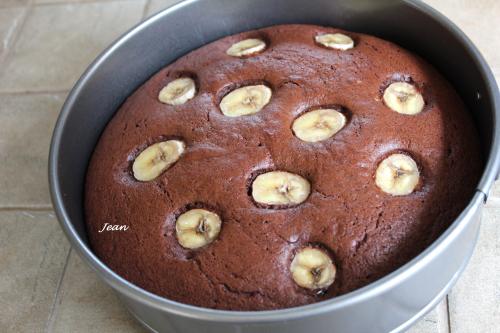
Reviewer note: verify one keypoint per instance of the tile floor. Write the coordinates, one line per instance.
(44, 286)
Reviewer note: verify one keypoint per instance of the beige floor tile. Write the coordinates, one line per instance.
(494, 196)
(435, 321)
(10, 20)
(86, 304)
(156, 5)
(27, 123)
(475, 300)
(58, 42)
(33, 252)
(479, 20)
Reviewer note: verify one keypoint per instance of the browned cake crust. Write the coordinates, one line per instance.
(367, 232)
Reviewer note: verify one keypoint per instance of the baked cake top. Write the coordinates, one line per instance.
(279, 167)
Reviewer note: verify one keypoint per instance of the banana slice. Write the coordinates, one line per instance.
(318, 125)
(157, 158)
(246, 47)
(245, 100)
(397, 175)
(336, 41)
(280, 188)
(178, 91)
(196, 228)
(313, 269)
(403, 98)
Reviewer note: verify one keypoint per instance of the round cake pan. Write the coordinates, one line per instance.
(392, 303)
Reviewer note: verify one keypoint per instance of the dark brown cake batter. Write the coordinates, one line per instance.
(367, 232)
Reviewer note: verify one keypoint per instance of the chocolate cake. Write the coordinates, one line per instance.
(279, 167)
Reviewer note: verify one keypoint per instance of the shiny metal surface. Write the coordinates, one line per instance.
(389, 304)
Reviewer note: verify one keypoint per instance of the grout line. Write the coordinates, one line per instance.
(442, 319)
(50, 320)
(147, 5)
(448, 314)
(27, 208)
